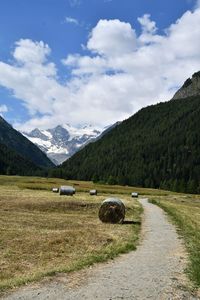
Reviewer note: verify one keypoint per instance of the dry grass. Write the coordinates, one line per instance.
(42, 233)
(38, 183)
(185, 212)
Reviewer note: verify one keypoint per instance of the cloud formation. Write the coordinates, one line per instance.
(112, 38)
(28, 52)
(122, 72)
(71, 20)
(3, 109)
(148, 26)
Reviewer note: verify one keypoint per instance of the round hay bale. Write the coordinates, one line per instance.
(93, 192)
(55, 190)
(67, 190)
(112, 210)
(134, 195)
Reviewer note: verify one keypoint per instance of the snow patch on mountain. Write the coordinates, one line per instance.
(63, 141)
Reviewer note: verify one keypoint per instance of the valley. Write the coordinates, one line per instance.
(44, 234)
(99, 150)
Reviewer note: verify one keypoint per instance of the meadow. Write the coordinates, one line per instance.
(43, 233)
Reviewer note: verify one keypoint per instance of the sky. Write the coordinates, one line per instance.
(93, 61)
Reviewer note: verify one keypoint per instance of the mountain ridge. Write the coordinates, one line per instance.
(62, 141)
(20, 145)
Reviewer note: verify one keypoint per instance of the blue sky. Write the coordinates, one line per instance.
(93, 61)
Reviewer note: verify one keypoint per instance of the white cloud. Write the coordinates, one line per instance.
(30, 79)
(86, 64)
(27, 51)
(149, 30)
(148, 26)
(3, 109)
(112, 37)
(122, 72)
(71, 20)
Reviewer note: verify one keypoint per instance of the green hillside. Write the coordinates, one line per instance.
(158, 147)
(11, 163)
(16, 142)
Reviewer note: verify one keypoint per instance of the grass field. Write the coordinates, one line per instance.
(42, 233)
(38, 183)
(185, 213)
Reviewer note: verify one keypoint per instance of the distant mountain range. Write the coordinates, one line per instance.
(17, 154)
(63, 141)
(158, 147)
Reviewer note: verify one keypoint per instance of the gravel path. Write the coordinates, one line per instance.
(153, 271)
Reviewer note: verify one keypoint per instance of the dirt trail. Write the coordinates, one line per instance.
(153, 271)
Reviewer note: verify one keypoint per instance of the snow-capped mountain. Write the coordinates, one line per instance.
(63, 141)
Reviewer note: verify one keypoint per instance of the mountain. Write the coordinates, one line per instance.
(191, 87)
(158, 147)
(18, 144)
(62, 142)
(106, 130)
(12, 163)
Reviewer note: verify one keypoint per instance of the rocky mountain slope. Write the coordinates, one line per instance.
(62, 142)
(191, 87)
(16, 143)
(158, 147)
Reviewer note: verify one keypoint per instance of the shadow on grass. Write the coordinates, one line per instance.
(131, 222)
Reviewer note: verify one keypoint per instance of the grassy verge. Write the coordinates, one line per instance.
(185, 213)
(42, 233)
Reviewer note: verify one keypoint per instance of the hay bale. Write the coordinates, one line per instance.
(55, 190)
(93, 192)
(134, 195)
(67, 190)
(112, 210)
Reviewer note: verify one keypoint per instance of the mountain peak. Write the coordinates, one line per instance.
(36, 133)
(191, 87)
(62, 141)
(86, 126)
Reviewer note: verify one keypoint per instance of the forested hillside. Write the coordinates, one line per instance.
(158, 147)
(13, 164)
(16, 142)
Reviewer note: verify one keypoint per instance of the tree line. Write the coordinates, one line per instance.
(158, 147)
